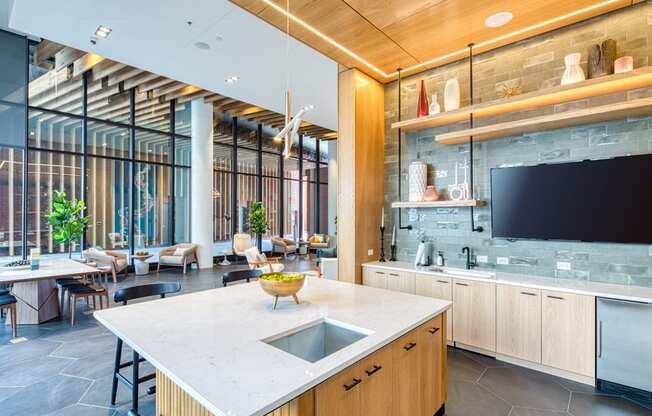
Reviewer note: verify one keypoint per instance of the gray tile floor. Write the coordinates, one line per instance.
(66, 371)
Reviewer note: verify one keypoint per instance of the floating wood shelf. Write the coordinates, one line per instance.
(439, 204)
(638, 78)
(634, 108)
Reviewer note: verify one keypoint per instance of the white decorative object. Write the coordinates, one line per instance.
(417, 178)
(573, 72)
(459, 191)
(622, 64)
(452, 95)
(434, 105)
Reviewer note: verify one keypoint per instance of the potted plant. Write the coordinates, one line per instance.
(258, 221)
(67, 220)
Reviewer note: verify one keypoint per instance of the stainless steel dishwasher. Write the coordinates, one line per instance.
(624, 348)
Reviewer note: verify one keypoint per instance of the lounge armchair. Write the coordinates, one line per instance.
(117, 241)
(113, 260)
(283, 246)
(258, 261)
(318, 241)
(241, 243)
(179, 255)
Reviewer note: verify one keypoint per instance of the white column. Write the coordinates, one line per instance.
(201, 210)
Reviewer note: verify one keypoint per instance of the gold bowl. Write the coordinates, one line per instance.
(280, 285)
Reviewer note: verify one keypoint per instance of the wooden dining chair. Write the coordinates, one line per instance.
(123, 296)
(8, 301)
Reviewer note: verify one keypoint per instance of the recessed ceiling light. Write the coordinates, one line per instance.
(202, 45)
(219, 38)
(103, 32)
(232, 79)
(498, 19)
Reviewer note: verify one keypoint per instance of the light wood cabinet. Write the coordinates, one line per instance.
(374, 277)
(401, 281)
(406, 353)
(340, 395)
(440, 288)
(475, 313)
(518, 322)
(377, 373)
(430, 340)
(568, 332)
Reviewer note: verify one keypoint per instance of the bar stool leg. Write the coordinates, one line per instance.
(134, 383)
(14, 318)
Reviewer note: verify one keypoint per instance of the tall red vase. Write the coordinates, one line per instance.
(422, 104)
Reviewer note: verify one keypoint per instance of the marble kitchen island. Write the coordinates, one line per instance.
(213, 353)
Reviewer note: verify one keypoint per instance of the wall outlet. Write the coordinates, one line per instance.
(563, 265)
(370, 252)
(483, 259)
(502, 260)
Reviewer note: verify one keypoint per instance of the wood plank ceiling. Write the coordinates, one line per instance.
(417, 34)
(59, 89)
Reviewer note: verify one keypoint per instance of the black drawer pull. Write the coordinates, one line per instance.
(461, 284)
(443, 281)
(373, 371)
(555, 297)
(394, 274)
(409, 346)
(433, 330)
(355, 382)
(528, 293)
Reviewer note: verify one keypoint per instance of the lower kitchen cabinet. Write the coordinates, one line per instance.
(568, 332)
(407, 354)
(340, 395)
(475, 313)
(439, 288)
(432, 349)
(374, 277)
(378, 382)
(518, 322)
(401, 281)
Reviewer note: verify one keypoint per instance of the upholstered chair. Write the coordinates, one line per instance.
(112, 260)
(283, 246)
(259, 261)
(241, 242)
(179, 255)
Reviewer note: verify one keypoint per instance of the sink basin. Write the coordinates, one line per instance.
(318, 339)
(463, 272)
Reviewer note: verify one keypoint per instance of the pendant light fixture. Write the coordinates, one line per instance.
(292, 125)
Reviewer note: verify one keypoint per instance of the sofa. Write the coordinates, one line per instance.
(318, 241)
(283, 246)
(179, 255)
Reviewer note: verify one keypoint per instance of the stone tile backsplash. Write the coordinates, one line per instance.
(532, 64)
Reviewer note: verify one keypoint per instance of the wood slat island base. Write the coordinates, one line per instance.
(404, 378)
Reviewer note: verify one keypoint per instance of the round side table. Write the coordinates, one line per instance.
(141, 265)
(226, 254)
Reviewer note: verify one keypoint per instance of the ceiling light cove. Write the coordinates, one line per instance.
(498, 19)
(202, 45)
(103, 32)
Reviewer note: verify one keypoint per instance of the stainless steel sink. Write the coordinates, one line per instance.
(463, 272)
(318, 339)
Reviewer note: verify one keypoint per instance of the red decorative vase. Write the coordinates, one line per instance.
(422, 104)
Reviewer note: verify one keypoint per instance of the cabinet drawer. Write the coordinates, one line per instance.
(439, 288)
(374, 277)
(401, 281)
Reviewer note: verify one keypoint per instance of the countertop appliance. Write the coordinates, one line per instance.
(624, 348)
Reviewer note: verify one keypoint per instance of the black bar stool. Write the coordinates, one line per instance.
(236, 275)
(125, 295)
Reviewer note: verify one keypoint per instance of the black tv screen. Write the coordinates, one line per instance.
(602, 200)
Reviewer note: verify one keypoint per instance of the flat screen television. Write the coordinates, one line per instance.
(602, 200)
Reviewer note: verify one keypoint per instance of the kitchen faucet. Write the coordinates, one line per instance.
(469, 264)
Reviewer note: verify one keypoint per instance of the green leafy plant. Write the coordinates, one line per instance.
(67, 220)
(257, 219)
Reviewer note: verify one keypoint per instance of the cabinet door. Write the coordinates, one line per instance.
(518, 322)
(406, 383)
(401, 281)
(375, 278)
(440, 288)
(475, 313)
(340, 394)
(568, 332)
(376, 390)
(431, 344)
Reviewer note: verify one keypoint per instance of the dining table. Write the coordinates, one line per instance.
(36, 290)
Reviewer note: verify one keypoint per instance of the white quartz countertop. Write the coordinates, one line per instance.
(582, 287)
(48, 269)
(209, 343)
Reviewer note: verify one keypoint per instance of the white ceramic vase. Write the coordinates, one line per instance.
(452, 95)
(417, 180)
(573, 72)
(434, 105)
(623, 64)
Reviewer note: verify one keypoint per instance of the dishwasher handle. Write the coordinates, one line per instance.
(600, 339)
(627, 302)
